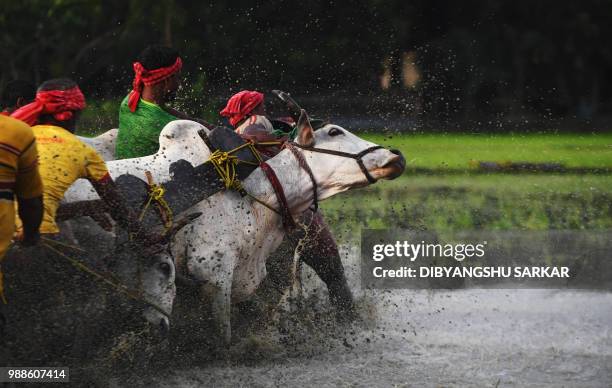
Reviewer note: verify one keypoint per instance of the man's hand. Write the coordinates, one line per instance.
(28, 240)
(96, 209)
(30, 212)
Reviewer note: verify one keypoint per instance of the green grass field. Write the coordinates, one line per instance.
(490, 202)
(455, 151)
(465, 201)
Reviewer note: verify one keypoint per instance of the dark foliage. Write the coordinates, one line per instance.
(493, 59)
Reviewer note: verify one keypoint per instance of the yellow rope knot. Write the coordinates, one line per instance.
(225, 165)
(156, 194)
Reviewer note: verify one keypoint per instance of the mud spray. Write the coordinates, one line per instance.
(469, 337)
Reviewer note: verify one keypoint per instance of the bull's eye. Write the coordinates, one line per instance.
(335, 132)
(165, 268)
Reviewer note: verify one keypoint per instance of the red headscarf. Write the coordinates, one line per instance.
(240, 105)
(144, 77)
(60, 103)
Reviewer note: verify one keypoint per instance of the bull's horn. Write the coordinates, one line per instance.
(180, 224)
(305, 132)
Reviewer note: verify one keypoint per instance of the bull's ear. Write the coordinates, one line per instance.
(305, 132)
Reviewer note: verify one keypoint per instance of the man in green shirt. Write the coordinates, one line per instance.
(143, 113)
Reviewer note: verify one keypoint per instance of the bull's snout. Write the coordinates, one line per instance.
(396, 165)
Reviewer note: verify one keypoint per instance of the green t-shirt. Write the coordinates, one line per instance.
(139, 130)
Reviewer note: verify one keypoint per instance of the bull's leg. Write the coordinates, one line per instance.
(320, 252)
(222, 308)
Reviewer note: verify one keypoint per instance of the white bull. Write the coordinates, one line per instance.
(227, 247)
(104, 143)
(178, 140)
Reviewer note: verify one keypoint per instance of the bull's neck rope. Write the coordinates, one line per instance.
(285, 211)
(358, 157)
(156, 195)
(306, 167)
(225, 163)
(283, 207)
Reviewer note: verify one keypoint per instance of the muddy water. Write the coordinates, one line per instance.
(476, 338)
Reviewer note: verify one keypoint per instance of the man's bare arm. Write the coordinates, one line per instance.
(31, 213)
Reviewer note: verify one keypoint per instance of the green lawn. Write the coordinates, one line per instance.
(467, 202)
(540, 184)
(455, 151)
(464, 201)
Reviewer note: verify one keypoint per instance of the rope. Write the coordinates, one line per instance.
(283, 206)
(156, 194)
(225, 163)
(63, 244)
(120, 288)
(259, 201)
(304, 166)
(2, 295)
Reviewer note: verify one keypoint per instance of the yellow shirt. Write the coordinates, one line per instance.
(18, 173)
(63, 159)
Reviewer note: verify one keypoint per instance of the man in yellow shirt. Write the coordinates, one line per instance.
(63, 157)
(19, 178)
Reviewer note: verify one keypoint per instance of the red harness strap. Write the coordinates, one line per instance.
(304, 166)
(288, 222)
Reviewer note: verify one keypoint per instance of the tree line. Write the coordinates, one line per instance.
(437, 58)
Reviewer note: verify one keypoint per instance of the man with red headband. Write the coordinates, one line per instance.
(144, 113)
(246, 108)
(246, 113)
(63, 158)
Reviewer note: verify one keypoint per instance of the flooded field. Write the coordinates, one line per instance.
(420, 338)
(463, 338)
